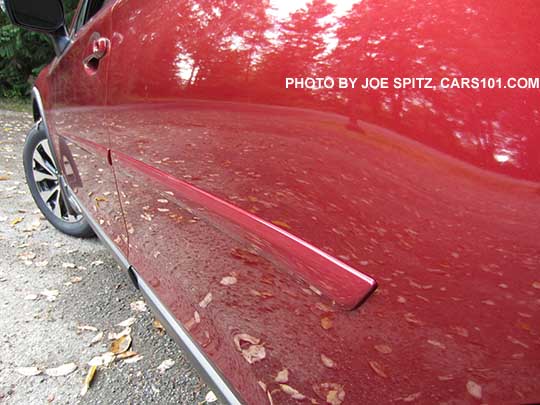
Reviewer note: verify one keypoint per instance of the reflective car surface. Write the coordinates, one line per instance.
(332, 245)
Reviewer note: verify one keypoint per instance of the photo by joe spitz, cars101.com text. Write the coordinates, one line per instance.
(321, 201)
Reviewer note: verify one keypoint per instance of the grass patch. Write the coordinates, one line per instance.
(16, 104)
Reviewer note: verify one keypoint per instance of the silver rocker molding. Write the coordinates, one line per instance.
(196, 355)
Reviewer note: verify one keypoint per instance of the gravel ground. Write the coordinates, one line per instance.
(39, 329)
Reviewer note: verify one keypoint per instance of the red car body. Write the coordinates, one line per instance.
(380, 245)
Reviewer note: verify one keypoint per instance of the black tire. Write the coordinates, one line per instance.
(63, 217)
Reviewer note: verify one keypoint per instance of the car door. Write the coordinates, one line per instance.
(79, 92)
(434, 193)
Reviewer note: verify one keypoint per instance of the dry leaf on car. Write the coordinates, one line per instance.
(326, 323)
(281, 224)
(375, 366)
(327, 361)
(206, 301)
(282, 376)
(332, 393)
(474, 389)
(62, 370)
(384, 349)
(254, 353)
(287, 389)
(88, 380)
(244, 337)
(228, 280)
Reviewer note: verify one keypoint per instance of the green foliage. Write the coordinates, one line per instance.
(23, 54)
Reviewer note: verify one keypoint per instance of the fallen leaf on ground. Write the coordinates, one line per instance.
(133, 359)
(210, 397)
(76, 279)
(206, 301)
(102, 360)
(228, 280)
(97, 338)
(28, 371)
(50, 295)
(139, 306)
(287, 389)
(96, 263)
(282, 376)
(123, 332)
(127, 322)
(165, 365)
(158, 327)
(68, 265)
(327, 361)
(377, 368)
(16, 221)
(27, 256)
(41, 264)
(87, 328)
(88, 380)
(4, 178)
(64, 369)
(31, 297)
(121, 344)
(126, 355)
(474, 389)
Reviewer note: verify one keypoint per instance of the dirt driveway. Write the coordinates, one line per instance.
(57, 295)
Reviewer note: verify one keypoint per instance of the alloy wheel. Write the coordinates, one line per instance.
(46, 177)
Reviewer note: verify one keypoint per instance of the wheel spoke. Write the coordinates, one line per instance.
(47, 150)
(57, 210)
(47, 181)
(48, 194)
(42, 163)
(40, 176)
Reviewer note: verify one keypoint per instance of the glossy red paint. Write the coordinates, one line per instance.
(433, 193)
